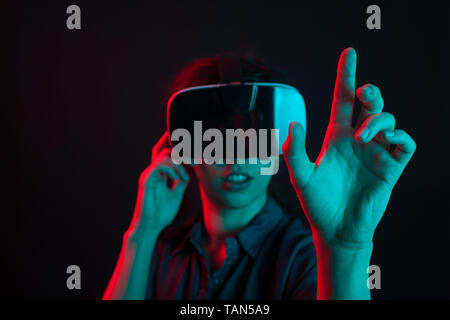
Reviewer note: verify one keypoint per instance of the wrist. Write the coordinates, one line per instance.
(139, 232)
(341, 251)
(141, 225)
(342, 268)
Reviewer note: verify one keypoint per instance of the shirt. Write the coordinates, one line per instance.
(273, 257)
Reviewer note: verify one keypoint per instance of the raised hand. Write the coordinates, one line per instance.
(344, 193)
(161, 188)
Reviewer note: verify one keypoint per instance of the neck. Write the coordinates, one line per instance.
(221, 222)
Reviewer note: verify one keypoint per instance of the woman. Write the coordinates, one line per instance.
(245, 246)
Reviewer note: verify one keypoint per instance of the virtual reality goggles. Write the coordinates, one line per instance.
(233, 105)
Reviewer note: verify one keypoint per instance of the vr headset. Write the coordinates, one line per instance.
(232, 104)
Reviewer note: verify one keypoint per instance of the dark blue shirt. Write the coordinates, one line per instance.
(273, 257)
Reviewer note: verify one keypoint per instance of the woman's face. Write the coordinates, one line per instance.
(232, 185)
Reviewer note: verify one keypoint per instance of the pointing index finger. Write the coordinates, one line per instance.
(344, 89)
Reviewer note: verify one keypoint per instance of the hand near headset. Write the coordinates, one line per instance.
(161, 188)
(345, 192)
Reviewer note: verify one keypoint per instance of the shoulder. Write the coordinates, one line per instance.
(300, 253)
(290, 253)
(175, 237)
(292, 230)
(290, 240)
(295, 237)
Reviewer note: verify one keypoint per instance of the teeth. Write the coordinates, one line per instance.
(237, 178)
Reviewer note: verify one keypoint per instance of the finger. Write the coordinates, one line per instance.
(344, 89)
(372, 100)
(175, 180)
(405, 145)
(163, 143)
(297, 160)
(182, 172)
(168, 171)
(373, 125)
(180, 186)
(166, 160)
(153, 173)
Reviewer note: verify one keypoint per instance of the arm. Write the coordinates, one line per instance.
(345, 192)
(342, 271)
(161, 189)
(130, 277)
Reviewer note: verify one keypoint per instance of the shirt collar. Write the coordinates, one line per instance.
(251, 237)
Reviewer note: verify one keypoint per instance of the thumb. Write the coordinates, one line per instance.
(297, 160)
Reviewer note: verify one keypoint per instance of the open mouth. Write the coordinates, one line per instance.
(237, 178)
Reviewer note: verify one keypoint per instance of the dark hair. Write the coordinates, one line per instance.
(203, 71)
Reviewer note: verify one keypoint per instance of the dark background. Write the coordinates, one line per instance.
(82, 110)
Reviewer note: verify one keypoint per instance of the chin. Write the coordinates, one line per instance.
(238, 199)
